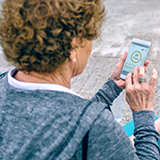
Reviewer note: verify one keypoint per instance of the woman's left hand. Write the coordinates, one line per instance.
(117, 71)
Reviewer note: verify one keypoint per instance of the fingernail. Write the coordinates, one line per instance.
(136, 67)
(154, 70)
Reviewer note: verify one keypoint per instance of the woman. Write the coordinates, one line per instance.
(49, 42)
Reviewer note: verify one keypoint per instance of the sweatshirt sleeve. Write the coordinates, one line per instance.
(146, 136)
(107, 93)
(107, 139)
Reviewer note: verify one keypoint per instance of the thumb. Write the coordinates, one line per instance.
(123, 58)
(153, 78)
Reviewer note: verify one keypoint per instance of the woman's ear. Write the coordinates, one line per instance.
(73, 52)
(73, 42)
(73, 56)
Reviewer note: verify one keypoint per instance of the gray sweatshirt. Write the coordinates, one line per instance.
(51, 125)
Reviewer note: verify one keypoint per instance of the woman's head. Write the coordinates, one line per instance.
(36, 34)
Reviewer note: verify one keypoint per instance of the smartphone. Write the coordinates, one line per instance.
(137, 55)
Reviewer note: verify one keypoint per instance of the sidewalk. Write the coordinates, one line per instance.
(124, 20)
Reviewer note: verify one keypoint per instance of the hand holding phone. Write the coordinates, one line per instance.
(137, 55)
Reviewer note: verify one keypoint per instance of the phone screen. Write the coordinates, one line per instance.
(136, 57)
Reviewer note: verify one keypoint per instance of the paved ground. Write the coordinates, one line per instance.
(125, 20)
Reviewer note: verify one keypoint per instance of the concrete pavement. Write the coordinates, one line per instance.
(125, 20)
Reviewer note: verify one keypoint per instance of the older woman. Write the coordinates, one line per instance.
(49, 42)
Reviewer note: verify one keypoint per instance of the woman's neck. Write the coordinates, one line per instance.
(60, 76)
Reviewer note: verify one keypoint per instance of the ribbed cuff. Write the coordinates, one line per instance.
(143, 118)
(111, 82)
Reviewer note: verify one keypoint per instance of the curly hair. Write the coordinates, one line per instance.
(36, 34)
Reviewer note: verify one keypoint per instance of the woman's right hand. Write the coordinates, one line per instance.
(140, 96)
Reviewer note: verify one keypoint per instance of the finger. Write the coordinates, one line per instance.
(145, 69)
(124, 57)
(136, 76)
(142, 71)
(128, 80)
(153, 78)
(122, 60)
(146, 63)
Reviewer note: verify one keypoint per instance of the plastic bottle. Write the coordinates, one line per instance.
(117, 107)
